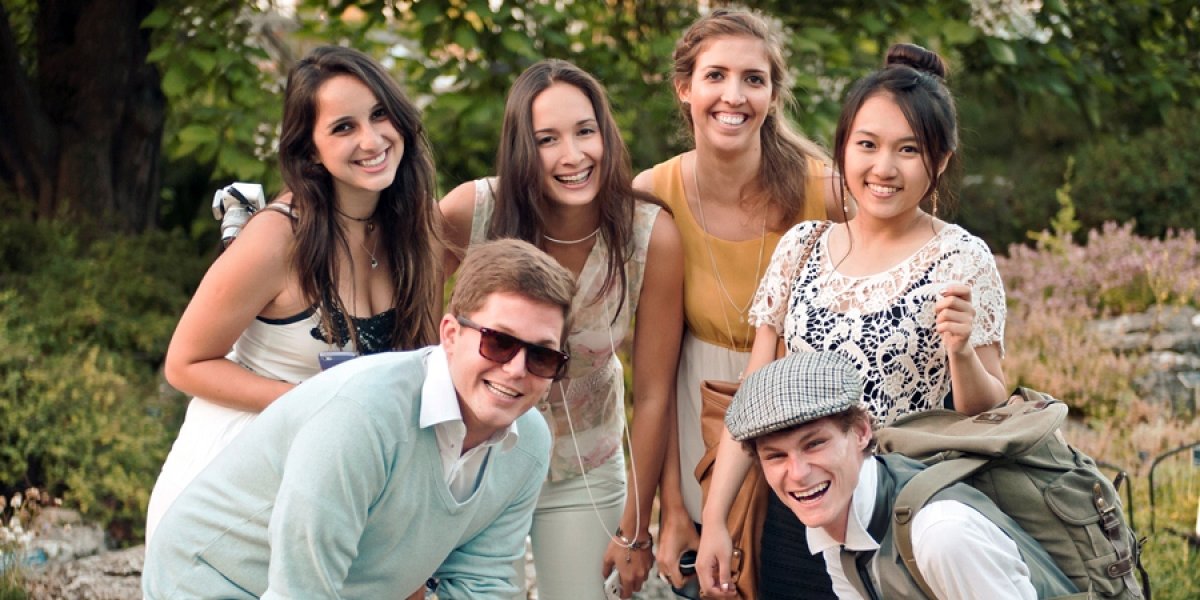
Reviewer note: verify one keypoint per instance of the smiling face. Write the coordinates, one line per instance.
(885, 167)
(492, 395)
(569, 144)
(354, 138)
(729, 93)
(814, 469)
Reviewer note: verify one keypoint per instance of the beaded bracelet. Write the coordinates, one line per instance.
(631, 545)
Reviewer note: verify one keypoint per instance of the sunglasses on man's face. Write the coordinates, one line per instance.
(500, 347)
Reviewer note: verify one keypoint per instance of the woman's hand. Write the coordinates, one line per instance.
(676, 534)
(632, 564)
(714, 561)
(954, 318)
(975, 372)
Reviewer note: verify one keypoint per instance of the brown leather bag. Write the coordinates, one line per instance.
(749, 509)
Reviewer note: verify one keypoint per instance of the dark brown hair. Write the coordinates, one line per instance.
(521, 195)
(514, 266)
(784, 169)
(406, 215)
(915, 79)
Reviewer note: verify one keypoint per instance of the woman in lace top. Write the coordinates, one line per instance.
(349, 261)
(564, 184)
(916, 302)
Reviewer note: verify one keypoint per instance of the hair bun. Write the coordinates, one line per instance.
(916, 57)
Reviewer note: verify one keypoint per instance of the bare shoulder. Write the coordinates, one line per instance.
(458, 208)
(644, 181)
(270, 234)
(664, 236)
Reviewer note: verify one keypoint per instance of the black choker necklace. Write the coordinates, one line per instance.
(369, 220)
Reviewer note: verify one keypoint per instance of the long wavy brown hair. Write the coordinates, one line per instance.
(521, 195)
(784, 168)
(406, 215)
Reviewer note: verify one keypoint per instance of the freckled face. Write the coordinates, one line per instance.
(729, 93)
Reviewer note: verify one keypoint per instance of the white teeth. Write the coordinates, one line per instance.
(731, 119)
(502, 390)
(804, 496)
(577, 178)
(374, 162)
(882, 189)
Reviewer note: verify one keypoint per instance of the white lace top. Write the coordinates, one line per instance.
(884, 322)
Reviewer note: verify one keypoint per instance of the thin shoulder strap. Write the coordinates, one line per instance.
(809, 245)
(280, 207)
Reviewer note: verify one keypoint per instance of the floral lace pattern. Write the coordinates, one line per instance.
(883, 322)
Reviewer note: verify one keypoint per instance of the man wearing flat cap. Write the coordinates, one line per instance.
(803, 418)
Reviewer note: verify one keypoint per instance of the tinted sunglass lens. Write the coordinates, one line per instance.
(542, 362)
(498, 347)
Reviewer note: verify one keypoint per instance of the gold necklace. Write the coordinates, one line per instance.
(742, 311)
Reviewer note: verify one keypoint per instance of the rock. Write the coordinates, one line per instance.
(1167, 341)
(60, 535)
(1168, 328)
(107, 576)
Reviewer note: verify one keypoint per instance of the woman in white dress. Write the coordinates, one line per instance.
(350, 261)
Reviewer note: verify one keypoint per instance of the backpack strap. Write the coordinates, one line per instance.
(915, 495)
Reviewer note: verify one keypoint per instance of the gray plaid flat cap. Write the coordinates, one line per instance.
(793, 390)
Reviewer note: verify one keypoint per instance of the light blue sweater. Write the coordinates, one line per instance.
(334, 491)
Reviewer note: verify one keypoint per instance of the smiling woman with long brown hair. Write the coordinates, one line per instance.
(348, 263)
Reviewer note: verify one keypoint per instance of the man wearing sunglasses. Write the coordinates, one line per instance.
(368, 479)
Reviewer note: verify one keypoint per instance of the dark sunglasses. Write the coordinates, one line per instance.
(500, 347)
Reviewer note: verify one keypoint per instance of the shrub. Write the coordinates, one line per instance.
(84, 325)
(1054, 288)
(1150, 178)
(1057, 286)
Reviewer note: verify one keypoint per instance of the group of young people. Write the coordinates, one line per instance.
(503, 416)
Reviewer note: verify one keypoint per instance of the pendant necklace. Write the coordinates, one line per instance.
(370, 227)
(374, 246)
(742, 311)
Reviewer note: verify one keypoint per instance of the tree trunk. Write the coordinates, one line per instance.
(88, 129)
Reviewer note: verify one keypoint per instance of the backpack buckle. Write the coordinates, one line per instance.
(1120, 568)
(1109, 521)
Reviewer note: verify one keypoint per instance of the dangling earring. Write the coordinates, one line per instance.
(934, 199)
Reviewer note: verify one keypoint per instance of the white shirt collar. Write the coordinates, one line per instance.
(439, 406)
(862, 506)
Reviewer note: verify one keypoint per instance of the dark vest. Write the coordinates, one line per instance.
(890, 577)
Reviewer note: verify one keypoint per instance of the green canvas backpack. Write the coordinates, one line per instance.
(1016, 455)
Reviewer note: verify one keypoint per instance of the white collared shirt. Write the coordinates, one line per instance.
(960, 552)
(440, 410)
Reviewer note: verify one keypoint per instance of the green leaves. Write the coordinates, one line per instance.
(220, 85)
(1001, 52)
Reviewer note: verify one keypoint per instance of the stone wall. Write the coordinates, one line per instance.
(1167, 341)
